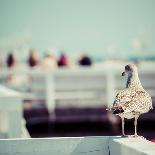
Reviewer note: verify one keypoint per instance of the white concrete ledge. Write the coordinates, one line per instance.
(131, 146)
(77, 146)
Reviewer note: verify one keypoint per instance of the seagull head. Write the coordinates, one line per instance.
(129, 69)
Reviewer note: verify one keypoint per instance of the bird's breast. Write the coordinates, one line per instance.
(128, 115)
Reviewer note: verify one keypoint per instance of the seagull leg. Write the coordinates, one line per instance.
(135, 124)
(123, 134)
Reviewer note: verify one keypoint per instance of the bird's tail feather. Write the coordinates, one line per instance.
(117, 110)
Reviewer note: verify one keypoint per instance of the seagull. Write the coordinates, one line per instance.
(133, 100)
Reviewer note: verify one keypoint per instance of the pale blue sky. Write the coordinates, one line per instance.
(96, 26)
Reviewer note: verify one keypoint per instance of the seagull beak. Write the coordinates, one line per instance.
(123, 74)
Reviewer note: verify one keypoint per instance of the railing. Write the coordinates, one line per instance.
(78, 146)
(59, 84)
(11, 121)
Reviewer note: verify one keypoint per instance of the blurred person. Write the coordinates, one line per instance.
(85, 60)
(63, 60)
(49, 61)
(13, 80)
(10, 61)
(33, 59)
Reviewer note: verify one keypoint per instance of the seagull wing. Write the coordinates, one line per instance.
(130, 100)
(122, 97)
(140, 102)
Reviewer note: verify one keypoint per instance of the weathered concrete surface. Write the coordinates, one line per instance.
(77, 146)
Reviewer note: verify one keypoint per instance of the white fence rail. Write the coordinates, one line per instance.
(98, 84)
(77, 146)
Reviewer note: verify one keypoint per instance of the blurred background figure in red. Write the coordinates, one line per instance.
(63, 60)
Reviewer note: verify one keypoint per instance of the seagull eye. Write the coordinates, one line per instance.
(127, 67)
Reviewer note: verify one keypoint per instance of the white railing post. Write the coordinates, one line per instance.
(11, 113)
(14, 124)
(3, 123)
(110, 88)
(50, 94)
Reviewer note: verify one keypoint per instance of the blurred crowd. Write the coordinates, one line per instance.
(49, 60)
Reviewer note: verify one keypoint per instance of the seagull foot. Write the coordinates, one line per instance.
(135, 136)
(124, 136)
